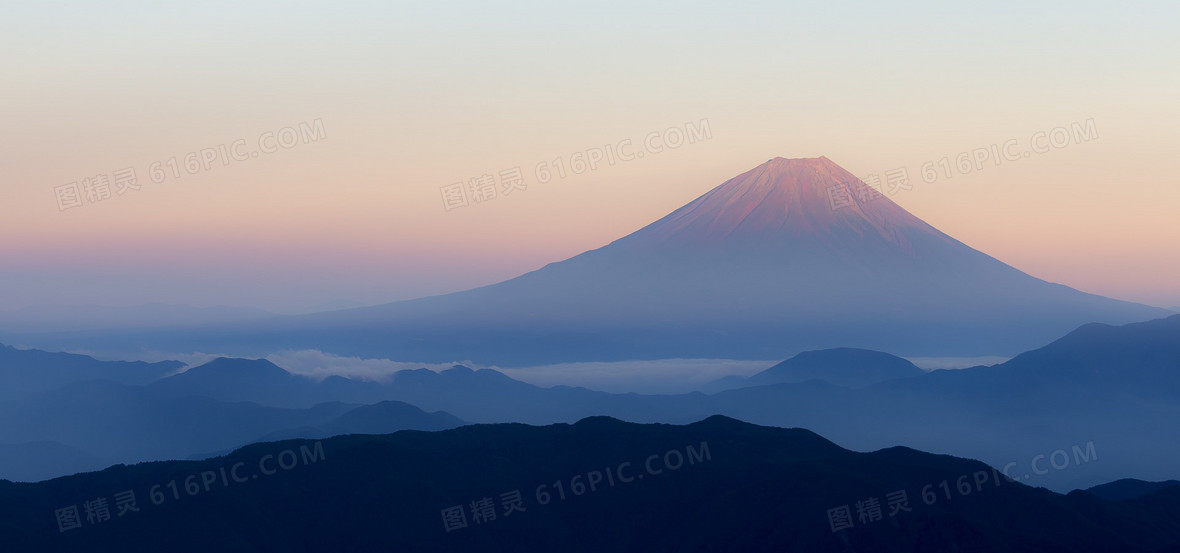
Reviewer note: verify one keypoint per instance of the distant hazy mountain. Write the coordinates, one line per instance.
(385, 417)
(716, 485)
(227, 379)
(840, 366)
(85, 425)
(1130, 488)
(263, 382)
(792, 255)
(120, 423)
(1113, 387)
(24, 372)
(1108, 385)
(1143, 355)
(762, 266)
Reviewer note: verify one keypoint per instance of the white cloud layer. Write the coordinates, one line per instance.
(662, 376)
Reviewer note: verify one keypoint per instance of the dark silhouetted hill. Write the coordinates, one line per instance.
(716, 485)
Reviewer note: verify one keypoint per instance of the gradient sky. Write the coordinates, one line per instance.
(414, 96)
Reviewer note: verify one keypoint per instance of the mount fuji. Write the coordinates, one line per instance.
(792, 255)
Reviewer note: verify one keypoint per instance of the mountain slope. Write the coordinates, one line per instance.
(1145, 354)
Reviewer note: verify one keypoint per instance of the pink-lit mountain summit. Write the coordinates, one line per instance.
(799, 197)
(791, 255)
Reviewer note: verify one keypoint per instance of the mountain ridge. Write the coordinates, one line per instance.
(386, 493)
